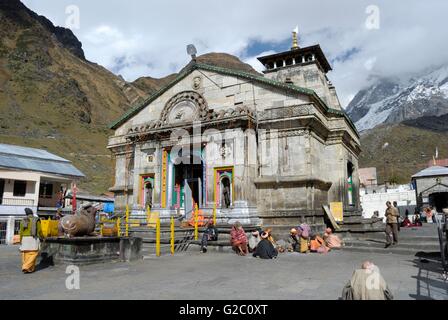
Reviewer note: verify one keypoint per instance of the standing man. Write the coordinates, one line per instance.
(391, 224)
(30, 235)
(399, 215)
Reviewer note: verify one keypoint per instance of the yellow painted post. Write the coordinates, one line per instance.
(172, 236)
(148, 215)
(101, 225)
(196, 236)
(214, 213)
(118, 226)
(158, 237)
(127, 221)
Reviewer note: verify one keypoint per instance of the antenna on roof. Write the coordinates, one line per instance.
(191, 50)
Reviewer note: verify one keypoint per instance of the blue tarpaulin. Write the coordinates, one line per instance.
(108, 207)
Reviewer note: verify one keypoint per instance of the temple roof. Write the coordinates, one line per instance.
(316, 49)
(230, 72)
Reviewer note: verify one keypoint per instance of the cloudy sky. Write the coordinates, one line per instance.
(362, 39)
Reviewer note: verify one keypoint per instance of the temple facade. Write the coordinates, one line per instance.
(266, 149)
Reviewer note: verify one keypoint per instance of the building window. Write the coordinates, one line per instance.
(19, 188)
(46, 190)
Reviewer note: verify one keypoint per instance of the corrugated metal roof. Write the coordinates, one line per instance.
(29, 152)
(16, 157)
(431, 172)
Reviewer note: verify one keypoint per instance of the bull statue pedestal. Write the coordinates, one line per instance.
(79, 245)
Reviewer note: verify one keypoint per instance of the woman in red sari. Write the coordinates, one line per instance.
(238, 239)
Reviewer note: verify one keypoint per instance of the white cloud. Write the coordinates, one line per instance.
(138, 37)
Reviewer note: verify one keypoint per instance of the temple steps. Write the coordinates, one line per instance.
(410, 241)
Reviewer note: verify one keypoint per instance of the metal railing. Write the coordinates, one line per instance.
(16, 202)
(150, 225)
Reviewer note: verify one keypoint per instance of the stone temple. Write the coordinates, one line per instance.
(266, 149)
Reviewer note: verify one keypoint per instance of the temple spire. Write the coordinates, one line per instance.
(295, 42)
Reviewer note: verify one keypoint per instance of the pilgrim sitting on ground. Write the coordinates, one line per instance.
(254, 239)
(332, 241)
(367, 284)
(210, 234)
(238, 239)
(265, 249)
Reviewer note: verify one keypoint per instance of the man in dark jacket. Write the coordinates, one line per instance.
(210, 234)
(265, 248)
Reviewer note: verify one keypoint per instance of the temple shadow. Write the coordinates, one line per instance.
(427, 263)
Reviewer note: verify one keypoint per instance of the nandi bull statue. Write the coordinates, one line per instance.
(80, 224)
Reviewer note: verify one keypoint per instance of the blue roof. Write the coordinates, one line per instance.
(24, 158)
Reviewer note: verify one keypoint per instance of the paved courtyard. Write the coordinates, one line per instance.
(193, 275)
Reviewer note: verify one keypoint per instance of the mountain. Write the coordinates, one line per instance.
(51, 97)
(390, 101)
(224, 60)
(408, 149)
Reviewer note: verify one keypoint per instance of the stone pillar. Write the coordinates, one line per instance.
(9, 229)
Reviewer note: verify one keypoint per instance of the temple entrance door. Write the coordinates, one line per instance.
(188, 200)
(188, 180)
(226, 192)
(193, 194)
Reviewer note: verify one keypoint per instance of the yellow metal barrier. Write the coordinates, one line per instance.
(148, 214)
(49, 228)
(196, 212)
(118, 227)
(101, 225)
(152, 222)
(172, 236)
(158, 237)
(127, 221)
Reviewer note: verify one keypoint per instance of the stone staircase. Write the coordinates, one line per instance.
(223, 243)
(410, 241)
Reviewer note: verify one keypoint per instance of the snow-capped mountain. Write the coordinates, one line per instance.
(396, 100)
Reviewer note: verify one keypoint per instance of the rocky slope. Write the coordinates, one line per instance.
(52, 98)
(409, 148)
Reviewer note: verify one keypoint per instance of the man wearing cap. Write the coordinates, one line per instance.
(30, 235)
(265, 249)
(294, 240)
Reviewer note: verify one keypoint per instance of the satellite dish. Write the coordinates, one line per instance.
(191, 50)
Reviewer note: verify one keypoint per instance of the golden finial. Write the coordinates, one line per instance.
(295, 42)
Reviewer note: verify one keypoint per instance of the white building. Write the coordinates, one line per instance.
(30, 178)
(403, 195)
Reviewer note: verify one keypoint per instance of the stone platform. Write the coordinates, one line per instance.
(90, 249)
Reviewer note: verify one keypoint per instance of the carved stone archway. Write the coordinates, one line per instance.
(186, 106)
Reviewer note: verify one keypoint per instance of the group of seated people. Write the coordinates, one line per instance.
(407, 223)
(261, 243)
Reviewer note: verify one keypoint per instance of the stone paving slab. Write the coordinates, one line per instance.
(209, 276)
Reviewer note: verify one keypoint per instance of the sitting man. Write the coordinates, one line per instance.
(367, 284)
(210, 234)
(265, 249)
(294, 241)
(254, 240)
(332, 241)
